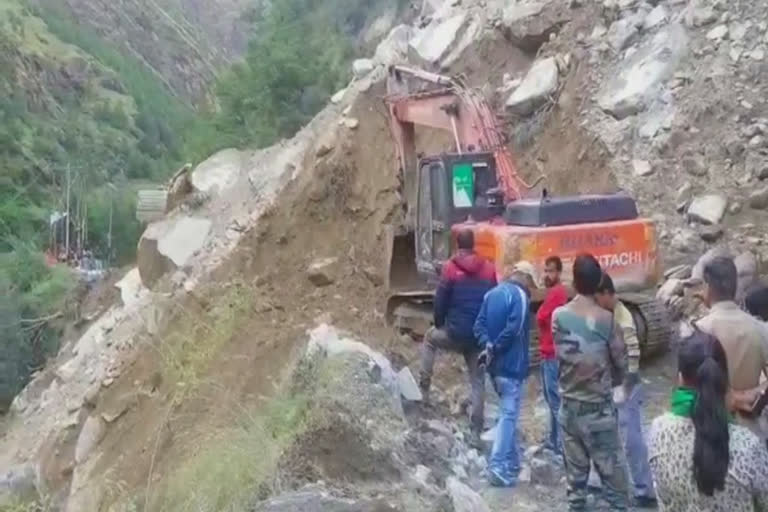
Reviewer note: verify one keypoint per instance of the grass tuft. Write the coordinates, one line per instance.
(236, 466)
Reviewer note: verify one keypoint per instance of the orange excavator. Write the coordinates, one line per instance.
(477, 186)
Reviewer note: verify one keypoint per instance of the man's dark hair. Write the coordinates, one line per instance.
(722, 278)
(466, 239)
(606, 285)
(756, 302)
(556, 261)
(586, 274)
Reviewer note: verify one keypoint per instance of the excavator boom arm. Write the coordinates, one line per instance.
(445, 104)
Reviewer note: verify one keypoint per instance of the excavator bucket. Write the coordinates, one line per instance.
(401, 262)
(409, 305)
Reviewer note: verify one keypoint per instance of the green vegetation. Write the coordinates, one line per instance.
(31, 294)
(241, 458)
(238, 463)
(300, 55)
(187, 350)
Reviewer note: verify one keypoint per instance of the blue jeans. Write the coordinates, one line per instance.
(631, 428)
(549, 372)
(505, 458)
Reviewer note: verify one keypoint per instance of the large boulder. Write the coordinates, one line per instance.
(707, 209)
(219, 172)
(758, 199)
(361, 67)
(130, 287)
(329, 342)
(436, 40)
(639, 79)
(168, 244)
(528, 25)
(323, 272)
(622, 33)
(699, 14)
(536, 88)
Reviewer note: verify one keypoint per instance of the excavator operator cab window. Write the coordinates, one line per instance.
(474, 186)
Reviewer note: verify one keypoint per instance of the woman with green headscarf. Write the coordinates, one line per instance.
(701, 460)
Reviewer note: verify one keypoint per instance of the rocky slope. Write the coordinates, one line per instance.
(598, 95)
(671, 91)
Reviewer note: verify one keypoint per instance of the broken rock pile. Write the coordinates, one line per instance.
(682, 290)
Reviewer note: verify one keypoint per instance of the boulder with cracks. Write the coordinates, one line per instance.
(639, 77)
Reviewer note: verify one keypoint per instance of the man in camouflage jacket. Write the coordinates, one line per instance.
(592, 359)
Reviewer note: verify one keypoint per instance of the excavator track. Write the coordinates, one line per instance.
(654, 325)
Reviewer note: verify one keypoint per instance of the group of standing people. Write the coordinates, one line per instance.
(589, 374)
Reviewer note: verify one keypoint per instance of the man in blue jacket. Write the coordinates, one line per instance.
(464, 281)
(503, 332)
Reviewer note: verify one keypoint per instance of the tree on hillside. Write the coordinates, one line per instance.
(292, 62)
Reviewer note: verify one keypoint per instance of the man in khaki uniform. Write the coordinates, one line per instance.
(742, 335)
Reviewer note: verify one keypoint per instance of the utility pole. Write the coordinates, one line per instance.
(66, 243)
(109, 235)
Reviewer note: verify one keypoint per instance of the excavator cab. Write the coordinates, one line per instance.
(452, 188)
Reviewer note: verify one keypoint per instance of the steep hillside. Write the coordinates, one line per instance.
(185, 53)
